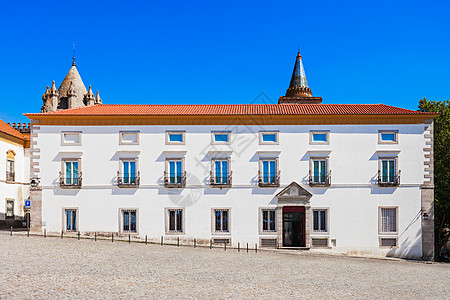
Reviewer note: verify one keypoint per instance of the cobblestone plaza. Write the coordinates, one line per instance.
(50, 268)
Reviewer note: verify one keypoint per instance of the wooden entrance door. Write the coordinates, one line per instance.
(293, 226)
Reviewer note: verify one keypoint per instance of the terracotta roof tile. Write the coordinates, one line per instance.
(5, 128)
(233, 109)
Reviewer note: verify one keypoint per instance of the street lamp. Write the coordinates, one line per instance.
(34, 182)
(425, 216)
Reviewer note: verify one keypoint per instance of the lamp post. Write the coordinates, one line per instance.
(34, 182)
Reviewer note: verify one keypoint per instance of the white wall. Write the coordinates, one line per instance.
(353, 199)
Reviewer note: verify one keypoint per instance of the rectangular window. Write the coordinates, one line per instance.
(268, 138)
(388, 220)
(10, 172)
(129, 138)
(320, 220)
(388, 170)
(268, 220)
(220, 137)
(175, 220)
(71, 138)
(319, 171)
(269, 171)
(221, 222)
(129, 223)
(388, 137)
(175, 171)
(9, 208)
(220, 171)
(129, 171)
(175, 137)
(319, 137)
(71, 172)
(71, 220)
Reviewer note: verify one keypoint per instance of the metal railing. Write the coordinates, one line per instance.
(220, 180)
(174, 180)
(387, 180)
(265, 180)
(128, 180)
(319, 180)
(70, 182)
(10, 176)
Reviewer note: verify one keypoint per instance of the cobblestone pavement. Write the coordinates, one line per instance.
(51, 268)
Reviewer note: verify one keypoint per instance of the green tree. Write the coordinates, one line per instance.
(441, 167)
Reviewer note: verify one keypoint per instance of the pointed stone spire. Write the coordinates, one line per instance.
(79, 90)
(89, 98)
(97, 99)
(54, 96)
(299, 84)
(45, 95)
(53, 90)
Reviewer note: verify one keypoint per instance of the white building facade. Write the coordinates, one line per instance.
(298, 174)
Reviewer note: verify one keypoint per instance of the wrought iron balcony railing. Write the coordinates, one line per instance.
(388, 180)
(174, 180)
(73, 181)
(269, 180)
(320, 180)
(10, 176)
(128, 180)
(220, 180)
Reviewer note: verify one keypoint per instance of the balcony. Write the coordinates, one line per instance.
(70, 182)
(172, 180)
(126, 180)
(266, 180)
(10, 176)
(389, 180)
(324, 180)
(220, 181)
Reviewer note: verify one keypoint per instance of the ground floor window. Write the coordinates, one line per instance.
(320, 220)
(129, 222)
(388, 219)
(71, 220)
(268, 220)
(10, 208)
(175, 220)
(221, 220)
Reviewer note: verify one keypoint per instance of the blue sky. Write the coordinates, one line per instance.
(205, 52)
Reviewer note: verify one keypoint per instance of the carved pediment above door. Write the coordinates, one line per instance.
(294, 194)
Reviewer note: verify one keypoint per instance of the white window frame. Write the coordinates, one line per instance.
(213, 221)
(121, 230)
(311, 167)
(380, 220)
(380, 167)
(311, 137)
(327, 221)
(122, 142)
(261, 220)
(395, 132)
(183, 134)
(277, 137)
(168, 160)
(77, 219)
(213, 134)
(128, 159)
(63, 169)
(175, 232)
(261, 169)
(63, 139)
(213, 166)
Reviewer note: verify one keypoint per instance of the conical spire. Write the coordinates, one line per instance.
(73, 79)
(98, 100)
(53, 89)
(298, 85)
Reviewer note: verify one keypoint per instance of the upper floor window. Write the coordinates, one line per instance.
(268, 137)
(268, 220)
(10, 170)
(129, 138)
(269, 175)
(175, 176)
(175, 137)
(71, 138)
(320, 220)
(387, 137)
(70, 175)
(319, 137)
(221, 220)
(319, 174)
(220, 137)
(220, 173)
(128, 174)
(388, 174)
(388, 220)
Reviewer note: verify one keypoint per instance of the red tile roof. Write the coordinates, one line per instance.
(5, 128)
(233, 109)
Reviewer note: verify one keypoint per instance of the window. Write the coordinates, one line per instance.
(175, 138)
(319, 171)
(387, 137)
(220, 137)
(10, 208)
(175, 220)
(268, 137)
(71, 172)
(175, 171)
(268, 220)
(319, 137)
(320, 220)
(220, 173)
(71, 138)
(388, 169)
(268, 172)
(10, 172)
(129, 221)
(129, 138)
(221, 221)
(71, 219)
(128, 175)
(388, 220)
